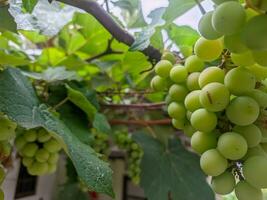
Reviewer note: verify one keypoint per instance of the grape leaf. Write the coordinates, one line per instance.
(101, 124)
(29, 5)
(173, 172)
(19, 102)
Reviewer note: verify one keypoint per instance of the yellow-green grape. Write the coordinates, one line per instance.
(178, 92)
(209, 75)
(2, 195)
(189, 130)
(234, 43)
(239, 81)
(221, 1)
(43, 135)
(260, 57)
(20, 142)
(158, 84)
(2, 175)
(260, 4)
(194, 64)
(254, 33)
(259, 96)
(243, 111)
(52, 146)
(178, 74)
(243, 59)
(29, 149)
(30, 135)
(232, 146)
(254, 170)
(26, 161)
(42, 155)
(5, 148)
(192, 101)
(224, 183)
(214, 97)
(176, 110)
(169, 56)
(206, 29)
(192, 81)
(260, 74)
(53, 158)
(245, 191)
(203, 120)
(37, 168)
(208, 50)
(201, 142)
(179, 123)
(52, 168)
(213, 163)
(251, 133)
(7, 128)
(254, 151)
(163, 68)
(228, 18)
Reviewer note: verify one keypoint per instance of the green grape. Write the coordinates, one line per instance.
(27, 161)
(192, 101)
(30, 135)
(208, 50)
(179, 124)
(228, 18)
(259, 96)
(42, 155)
(251, 133)
(178, 92)
(234, 43)
(37, 168)
(260, 57)
(209, 75)
(221, 1)
(224, 183)
(158, 84)
(232, 145)
(29, 149)
(20, 142)
(163, 68)
(192, 81)
(2, 195)
(254, 33)
(243, 59)
(176, 110)
(169, 56)
(43, 136)
(243, 111)
(189, 130)
(254, 170)
(7, 128)
(194, 64)
(52, 168)
(254, 151)
(203, 120)
(5, 148)
(201, 142)
(178, 74)
(52, 146)
(260, 4)
(239, 81)
(206, 29)
(258, 71)
(213, 163)
(245, 191)
(53, 158)
(214, 97)
(2, 175)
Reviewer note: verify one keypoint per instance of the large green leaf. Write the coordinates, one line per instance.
(173, 171)
(19, 102)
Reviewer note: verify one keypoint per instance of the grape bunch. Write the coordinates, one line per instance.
(134, 154)
(39, 151)
(100, 142)
(222, 106)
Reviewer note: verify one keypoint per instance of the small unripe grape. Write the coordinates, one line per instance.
(213, 163)
(20, 142)
(208, 50)
(176, 110)
(179, 124)
(169, 56)
(158, 83)
(52, 168)
(29, 149)
(178, 92)
(27, 161)
(234, 43)
(52, 146)
(53, 158)
(201, 142)
(209, 75)
(43, 135)
(42, 155)
(245, 191)
(243, 59)
(163, 68)
(202, 115)
(192, 81)
(260, 57)
(194, 64)
(232, 145)
(224, 183)
(192, 101)
(178, 74)
(38, 168)
(30, 135)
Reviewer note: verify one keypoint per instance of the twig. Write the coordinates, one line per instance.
(140, 122)
(60, 103)
(201, 8)
(151, 106)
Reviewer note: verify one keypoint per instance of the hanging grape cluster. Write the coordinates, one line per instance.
(100, 142)
(134, 154)
(218, 97)
(39, 151)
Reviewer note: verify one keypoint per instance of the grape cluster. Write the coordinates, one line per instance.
(220, 106)
(134, 154)
(100, 142)
(39, 151)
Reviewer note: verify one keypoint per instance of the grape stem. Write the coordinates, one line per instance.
(201, 8)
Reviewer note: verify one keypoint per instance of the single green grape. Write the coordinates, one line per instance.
(158, 84)
(178, 92)
(203, 120)
(243, 59)
(167, 55)
(224, 183)
(29, 149)
(43, 136)
(189, 130)
(53, 158)
(26, 161)
(201, 142)
(20, 142)
(52, 146)
(30, 135)
(194, 64)
(176, 110)
(178, 74)
(179, 123)
(163, 68)
(42, 155)
(37, 168)
(51, 168)
(192, 81)
(245, 191)
(192, 101)
(211, 74)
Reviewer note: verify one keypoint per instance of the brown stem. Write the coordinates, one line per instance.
(135, 106)
(140, 122)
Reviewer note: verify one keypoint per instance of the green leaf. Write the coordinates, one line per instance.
(29, 5)
(34, 36)
(13, 60)
(19, 102)
(7, 21)
(70, 192)
(101, 123)
(51, 56)
(82, 102)
(173, 171)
